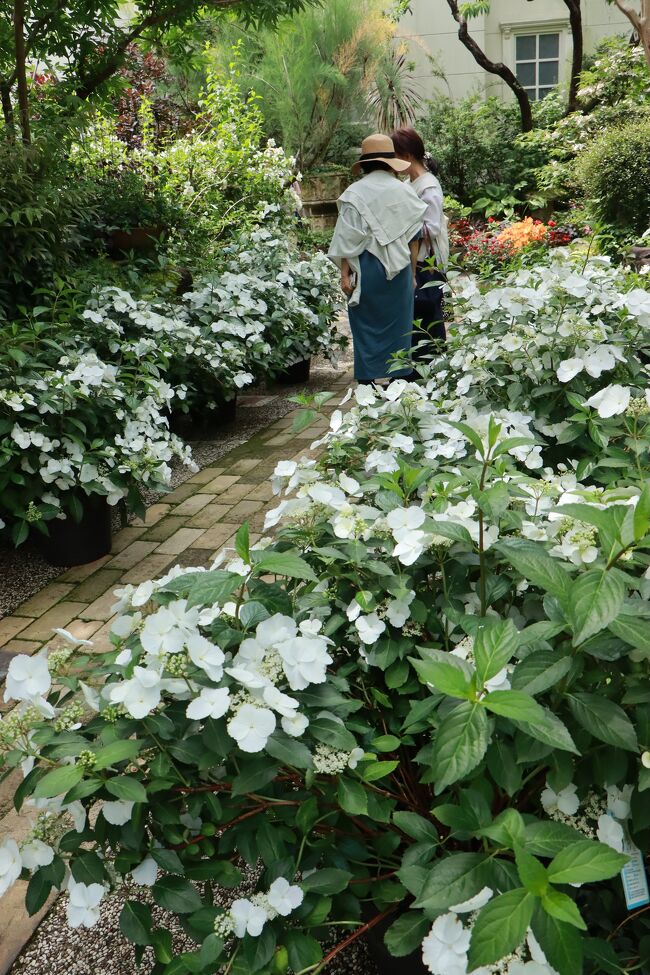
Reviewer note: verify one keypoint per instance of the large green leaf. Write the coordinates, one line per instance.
(460, 744)
(494, 645)
(535, 564)
(282, 564)
(540, 671)
(633, 630)
(604, 719)
(560, 942)
(448, 674)
(500, 927)
(596, 599)
(136, 922)
(547, 839)
(352, 797)
(418, 828)
(453, 880)
(213, 587)
(514, 704)
(127, 787)
(562, 907)
(58, 781)
(331, 731)
(406, 934)
(329, 880)
(585, 862)
(176, 894)
(304, 951)
(116, 752)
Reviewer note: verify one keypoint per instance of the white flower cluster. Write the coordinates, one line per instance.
(249, 915)
(598, 816)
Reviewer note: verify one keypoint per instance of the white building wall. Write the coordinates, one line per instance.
(431, 32)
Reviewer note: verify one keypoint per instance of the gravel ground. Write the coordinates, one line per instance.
(101, 950)
(24, 571)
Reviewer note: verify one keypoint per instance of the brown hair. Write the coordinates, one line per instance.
(408, 142)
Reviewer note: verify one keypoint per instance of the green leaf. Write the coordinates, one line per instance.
(58, 781)
(304, 951)
(448, 674)
(377, 770)
(547, 839)
(453, 880)
(331, 731)
(212, 587)
(169, 860)
(242, 543)
(117, 751)
(500, 927)
(259, 951)
(585, 862)
(386, 743)
(535, 564)
(405, 935)
(126, 787)
(633, 630)
(282, 564)
(604, 719)
(352, 797)
(460, 744)
(562, 907)
(515, 705)
(416, 827)
(560, 942)
(532, 873)
(289, 751)
(303, 419)
(540, 671)
(329, 880)
(255, 774)
(549, 729)
(603, 954)
(136, 922)
(595, 600)
(506, 830)
(494, 645)
(176, 894)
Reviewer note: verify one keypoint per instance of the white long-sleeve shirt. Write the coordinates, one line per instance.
(429, 190)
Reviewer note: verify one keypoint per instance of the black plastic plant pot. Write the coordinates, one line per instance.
(386, 963)
(73, 542)
(200, 423)
(297, 373)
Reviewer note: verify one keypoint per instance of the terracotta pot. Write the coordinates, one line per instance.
(73, 542)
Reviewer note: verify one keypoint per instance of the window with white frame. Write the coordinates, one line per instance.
(537, 63)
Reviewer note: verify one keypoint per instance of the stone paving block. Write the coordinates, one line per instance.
(59, 615)
(125, 537)
(83, 629)
(235, 492)
(191, 506)
(100, 609)
(244, 465)
(6, 656)
(80, 572)
(22, 646)
(262, 492)
(131, 555)
(101, 638)
(45, 599)
(209, 516)
(165, 528)
(281, 439)
(184, 490)
(219, 483)
(243, 510)
(10, 626)
(153, 515)
(180, 540)
(207, 474)
(96, 584)
(195, 558)
(217, 535)
(150, 568)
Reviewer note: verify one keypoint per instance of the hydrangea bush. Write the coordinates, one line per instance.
(75, 423)
(425, 702)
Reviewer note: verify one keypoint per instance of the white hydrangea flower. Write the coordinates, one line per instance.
(252, 727)
(611, 832)
(369, 628)
(284, 897)
(10, 864)
(212, 702)
(140, 695)
(146, 872)
(248, 918)
(610, 401)
(117, 812)
(27, 678)
(565, 801)
(83, 904)
(35, 853)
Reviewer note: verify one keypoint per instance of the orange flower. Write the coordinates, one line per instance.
(523, 234)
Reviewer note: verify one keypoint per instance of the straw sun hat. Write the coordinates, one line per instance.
(379, 148)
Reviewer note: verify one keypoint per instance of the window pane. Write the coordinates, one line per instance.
(549, 46)
(543, 92)
(532, 94)
(548, 72)
(527, 48)
(526, 74)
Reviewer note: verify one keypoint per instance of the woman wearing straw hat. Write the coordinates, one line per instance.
(375, 244)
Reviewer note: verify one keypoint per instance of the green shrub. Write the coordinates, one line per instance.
(615, 174)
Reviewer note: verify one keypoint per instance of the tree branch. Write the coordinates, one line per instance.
(493, 67)
(21, 70)
(575, 19)
(631, 14)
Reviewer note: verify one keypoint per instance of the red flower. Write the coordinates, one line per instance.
(552, 223)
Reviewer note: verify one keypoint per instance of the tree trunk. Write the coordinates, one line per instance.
(575, 17)
(640, 20)
(21, 70)
(7, 110)
(494, 67)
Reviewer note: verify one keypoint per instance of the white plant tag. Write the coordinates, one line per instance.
(633, 875)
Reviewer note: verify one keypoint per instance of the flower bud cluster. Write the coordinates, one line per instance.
(58, 660)
(69, 717)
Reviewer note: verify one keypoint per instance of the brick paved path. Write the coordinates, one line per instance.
(189, 527)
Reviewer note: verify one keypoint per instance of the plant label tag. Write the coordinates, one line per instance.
(635, 881)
